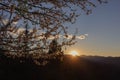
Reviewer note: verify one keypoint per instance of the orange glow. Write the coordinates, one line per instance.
(74, 53)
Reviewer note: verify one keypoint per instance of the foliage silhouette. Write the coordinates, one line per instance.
(26, 26)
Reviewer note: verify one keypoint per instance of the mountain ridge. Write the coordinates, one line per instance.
(71, 68)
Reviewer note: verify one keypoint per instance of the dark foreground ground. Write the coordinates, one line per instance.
(72, 68)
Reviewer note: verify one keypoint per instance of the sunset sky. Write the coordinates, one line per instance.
(98, 33)
(102, 28)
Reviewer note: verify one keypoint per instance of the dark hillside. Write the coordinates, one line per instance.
(72, 68)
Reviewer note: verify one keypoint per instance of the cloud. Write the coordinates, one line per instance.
(5, 21)
(51, 37)
(14, 23)
(81, 37)
(69, 36)
(86, 35)
(17, 33)
(20, 30)
(13, 34)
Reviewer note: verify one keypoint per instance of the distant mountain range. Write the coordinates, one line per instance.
(72, 68)
(105, 60)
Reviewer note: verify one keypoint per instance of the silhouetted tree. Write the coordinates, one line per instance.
(46, 19)
(53, 46)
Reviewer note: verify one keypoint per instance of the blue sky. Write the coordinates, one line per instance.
(103, 29)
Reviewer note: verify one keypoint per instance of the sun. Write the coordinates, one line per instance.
(74, 53)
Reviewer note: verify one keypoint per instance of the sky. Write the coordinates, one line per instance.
(102, 28)
(99, 32)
